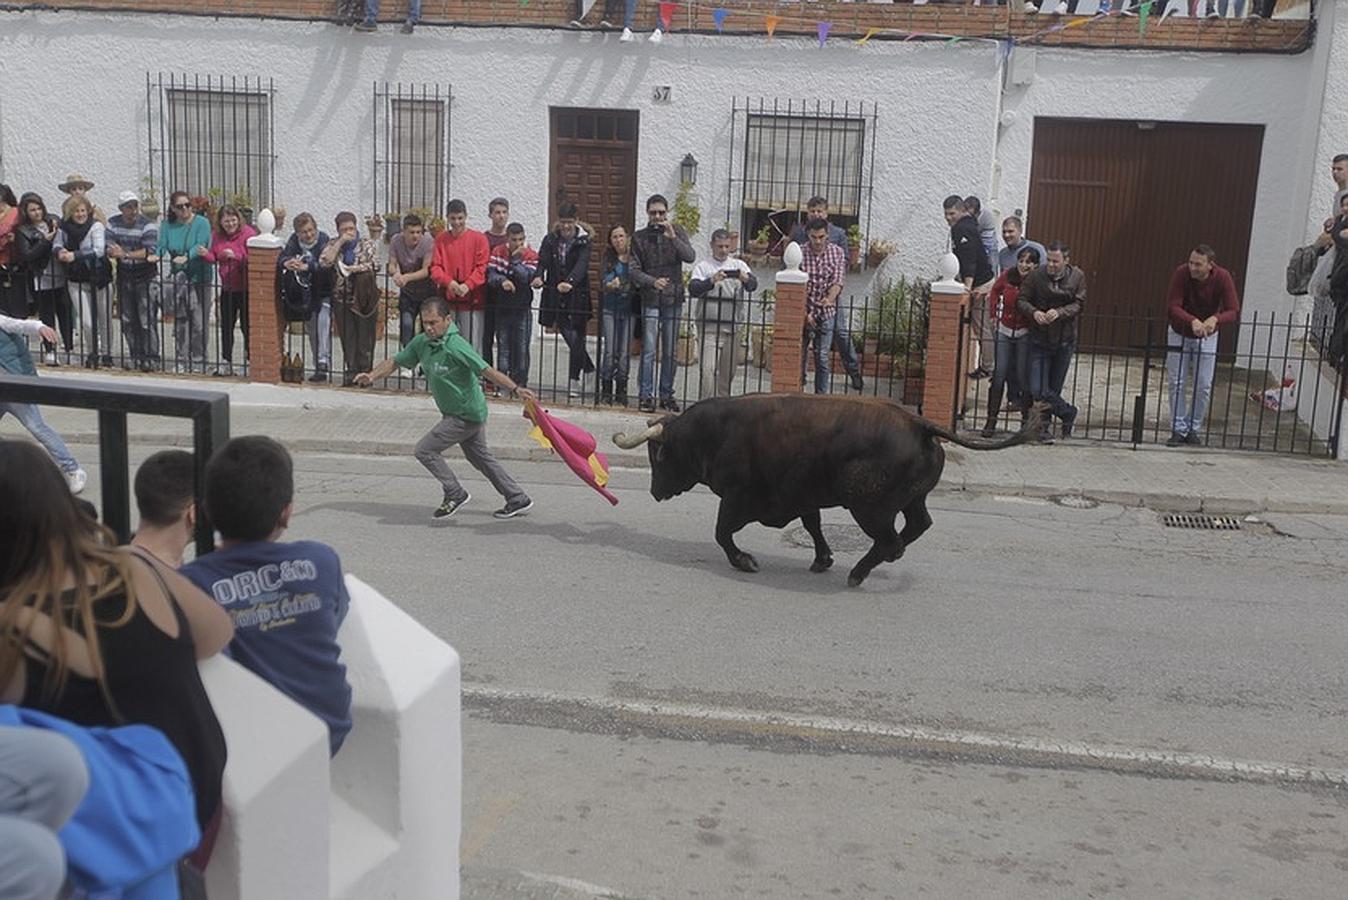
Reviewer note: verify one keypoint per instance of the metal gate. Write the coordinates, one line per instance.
(411, 149)
(1121, 380)
(211, 136)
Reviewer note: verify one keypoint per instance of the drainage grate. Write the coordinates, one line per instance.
(1202, 520)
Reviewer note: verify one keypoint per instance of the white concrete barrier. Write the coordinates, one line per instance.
(391, 799)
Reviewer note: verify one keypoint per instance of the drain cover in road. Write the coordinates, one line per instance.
(839, 537)
(1202, 521)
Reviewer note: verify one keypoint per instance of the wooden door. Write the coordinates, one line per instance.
(594, 165)
(1132, 199)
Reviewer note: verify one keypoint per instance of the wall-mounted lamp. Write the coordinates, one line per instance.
(688, 169)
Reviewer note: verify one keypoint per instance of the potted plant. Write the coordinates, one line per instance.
(877, 252)
(149, 198)
(854, 238)
(435, 225)
(760, 332)
(894, 336)
(685, 212)
(758, 247)
(244, 201)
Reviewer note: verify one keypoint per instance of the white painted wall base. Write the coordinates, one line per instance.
(386, 823)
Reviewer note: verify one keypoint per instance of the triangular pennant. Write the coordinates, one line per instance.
(1142, 13)
(955, 40)
(1076, 22)
(666, 14)
(718, 16)
(771, 23)
(822, 30)
(870, 32)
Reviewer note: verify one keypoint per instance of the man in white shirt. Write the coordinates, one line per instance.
(720, 284)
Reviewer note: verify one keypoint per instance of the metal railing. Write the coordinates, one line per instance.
(1124, 380)
(208, 411)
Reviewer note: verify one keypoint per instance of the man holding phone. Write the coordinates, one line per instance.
(722, 283)
(661, 250)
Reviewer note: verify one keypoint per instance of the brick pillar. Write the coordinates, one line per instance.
(266, 325)
(788, 324)
(947, 367)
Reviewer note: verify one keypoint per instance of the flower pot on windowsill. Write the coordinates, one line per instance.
(760, 346)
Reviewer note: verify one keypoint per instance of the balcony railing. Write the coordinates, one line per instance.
(882, 21)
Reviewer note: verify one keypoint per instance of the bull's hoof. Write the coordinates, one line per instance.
(821, 565)
(745, 562)
(854, 579)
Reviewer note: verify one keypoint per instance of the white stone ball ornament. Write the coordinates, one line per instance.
(266, 226)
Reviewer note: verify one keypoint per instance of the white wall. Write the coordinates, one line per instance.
(937, 130)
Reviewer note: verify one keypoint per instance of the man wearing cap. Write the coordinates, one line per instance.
(132, 239)
(76, 185)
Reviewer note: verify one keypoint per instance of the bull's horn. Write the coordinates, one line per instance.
(650, 434)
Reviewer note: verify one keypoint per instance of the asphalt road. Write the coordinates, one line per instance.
(1035, 701)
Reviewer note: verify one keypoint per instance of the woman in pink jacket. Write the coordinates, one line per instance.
(229, 251)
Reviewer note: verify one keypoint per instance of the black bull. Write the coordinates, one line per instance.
(772, 458)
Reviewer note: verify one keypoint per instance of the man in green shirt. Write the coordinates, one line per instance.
(454, 373)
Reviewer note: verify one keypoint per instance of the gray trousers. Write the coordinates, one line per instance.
(719, 357)
(140, 319)
(42, 780)
(191, 320)
(472, 439)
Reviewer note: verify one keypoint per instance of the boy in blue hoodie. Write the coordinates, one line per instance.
(287, 600)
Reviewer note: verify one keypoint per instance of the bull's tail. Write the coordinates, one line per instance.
(1033, 423)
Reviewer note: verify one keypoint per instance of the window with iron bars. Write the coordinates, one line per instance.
(793, 151)
(215, 137)
(411, 148)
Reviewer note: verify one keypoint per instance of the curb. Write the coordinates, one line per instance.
(628, 459)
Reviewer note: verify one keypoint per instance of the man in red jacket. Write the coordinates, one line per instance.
(1202, 298)
(459, 268)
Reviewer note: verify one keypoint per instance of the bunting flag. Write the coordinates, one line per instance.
(955, 40)
(1078, 22)
(870, 33)
(822, 30)
(1143, 12)
(718, 16)
(666, 14)
(771, 23)
(575, 445)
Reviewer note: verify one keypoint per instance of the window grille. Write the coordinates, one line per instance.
(411, 147)
(791, 151)
(213, 136)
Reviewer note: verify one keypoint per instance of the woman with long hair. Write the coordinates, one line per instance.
(98, 634)
(36, 246)
(13, 287)
(229, 251)
(81, 245)
(1010, 374)
(615, 358)
(184, 239)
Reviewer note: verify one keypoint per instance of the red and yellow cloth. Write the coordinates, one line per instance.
(576, 446)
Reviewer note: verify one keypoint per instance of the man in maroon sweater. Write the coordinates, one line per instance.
(459, 268)
(1202, 299)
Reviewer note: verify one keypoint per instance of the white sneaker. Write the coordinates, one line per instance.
(77, 479)
(1031, 9)
(627, 36)
(404, 373)
(656, 36)
(49, 358)
(573, 390)
(1060, 9)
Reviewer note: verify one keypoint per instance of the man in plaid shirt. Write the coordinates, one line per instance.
(825, 264)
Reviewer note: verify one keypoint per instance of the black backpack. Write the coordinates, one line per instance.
(298, 303)
(1300, 268)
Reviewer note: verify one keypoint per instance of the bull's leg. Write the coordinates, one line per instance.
(728, 521)
(888, 546)
(916, 521)
(823, 556)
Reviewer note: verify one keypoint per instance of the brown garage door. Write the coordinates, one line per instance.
(1132, 199)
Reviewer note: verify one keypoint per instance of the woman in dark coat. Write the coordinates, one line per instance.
(564, 275)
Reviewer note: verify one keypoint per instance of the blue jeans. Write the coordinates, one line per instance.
(407, 326)
(372, 11)
(614, 358)
(320, 333)
(661, 322)
(514, 329)
(822, 335)
(1048, 374)
(842, 341)
(1011, 373)
(1190, 357)
(31, 418)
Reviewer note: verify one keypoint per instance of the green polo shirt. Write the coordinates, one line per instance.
(453, 371)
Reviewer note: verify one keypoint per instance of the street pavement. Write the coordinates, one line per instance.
(385, 423)
(1050, 695)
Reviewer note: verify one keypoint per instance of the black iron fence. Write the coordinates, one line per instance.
(1132, 379)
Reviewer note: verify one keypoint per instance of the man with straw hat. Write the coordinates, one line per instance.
(76, 185)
